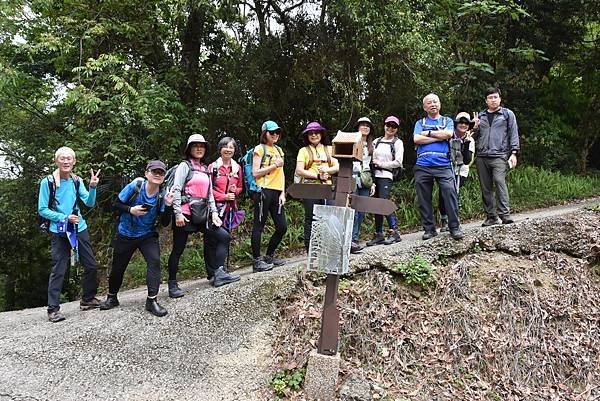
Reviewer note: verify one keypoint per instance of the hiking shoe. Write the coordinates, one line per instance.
(174, 290)
(110, 302)
(154, 307)
(457, 233)
(506, 219)
(429, 234)
(55, 316)
(444, 225)
(222, 277)
(378, 238)
(392, 238)
(491, 221)
(90, 304)
(259, 265)
(355, 247)
(274, 261)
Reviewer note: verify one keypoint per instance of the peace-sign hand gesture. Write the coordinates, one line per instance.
(94, 178)
(475, 119)
(169, 196)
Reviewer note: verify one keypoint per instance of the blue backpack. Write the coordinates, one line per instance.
(250, 184)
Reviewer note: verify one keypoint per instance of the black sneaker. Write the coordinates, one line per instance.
(259, 265)
(429, 234)
(55, 316)
(491, 221)
(174, 290)
(378, 238)
(274, 261)
(90, 304)
(110, 302)
(506, 219)
(392, 238)
(444, 225)
(457, 233)
(355, 247)
(154, 307)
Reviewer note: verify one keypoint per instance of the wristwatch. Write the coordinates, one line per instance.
(429, 133)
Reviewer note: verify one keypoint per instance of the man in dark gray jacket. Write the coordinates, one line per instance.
(497, 146)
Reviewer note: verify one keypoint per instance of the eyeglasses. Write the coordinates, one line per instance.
(313, 133)
(392, 126)
(158, 172)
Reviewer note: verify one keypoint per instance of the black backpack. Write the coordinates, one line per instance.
(44, 223)
(396, 172)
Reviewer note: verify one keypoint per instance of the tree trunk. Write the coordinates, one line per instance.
(190, 56)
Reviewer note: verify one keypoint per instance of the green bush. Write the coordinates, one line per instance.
(417, 272)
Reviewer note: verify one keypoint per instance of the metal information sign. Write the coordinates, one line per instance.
(330, 240)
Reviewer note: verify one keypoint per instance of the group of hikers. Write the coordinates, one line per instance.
(196, 196)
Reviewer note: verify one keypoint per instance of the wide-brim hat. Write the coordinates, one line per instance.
(313, 126)
(364, 120)
(463, 115)
(196, 138)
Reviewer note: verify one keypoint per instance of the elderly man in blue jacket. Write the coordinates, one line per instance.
(497, 146)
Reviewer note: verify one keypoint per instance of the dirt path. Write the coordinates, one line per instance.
(213, 345)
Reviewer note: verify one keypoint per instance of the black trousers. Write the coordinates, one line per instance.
(267, 203)
(61, 251)
(216, 246)
(425, 176)
(124, 247)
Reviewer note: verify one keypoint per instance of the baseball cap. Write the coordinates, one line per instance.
(156, 165)
(270, 126)
(392, 119)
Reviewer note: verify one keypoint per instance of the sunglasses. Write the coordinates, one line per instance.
(392, 126)
(158, 172)
(273, 132)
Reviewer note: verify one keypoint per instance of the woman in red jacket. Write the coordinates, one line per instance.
(227, 182)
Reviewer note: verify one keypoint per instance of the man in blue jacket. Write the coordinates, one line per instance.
(58, 203)
(497, 146)
(431, 136)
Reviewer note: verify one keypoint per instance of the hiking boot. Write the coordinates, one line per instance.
(355, 247)
(154, 307)
(274, 261)
(222, 277)
(491, 221)
(55, 316)
(90, 304)
(378, 238)
(259, 265)
(110, 302)
(392, 238)
(444, 225)
(429, 234)
(457, 233)
(506, 219)
(174, 290)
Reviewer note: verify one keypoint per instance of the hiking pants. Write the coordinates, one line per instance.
(359, 216)
(216, 246)
(267, 202)
(383, 187)
(425, 176)
(492, 172)
(61, 256)
(124, 247)
(442, 207)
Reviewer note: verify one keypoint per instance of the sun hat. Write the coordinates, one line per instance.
(363, 120)
(156, 165)
(195, 138)
(270, 126)
(313, 126)
(392, 119)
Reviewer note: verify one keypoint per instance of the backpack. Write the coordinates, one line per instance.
(456, 156)
(44, 223)
(250, 184)
(396, 172)
(170, 175)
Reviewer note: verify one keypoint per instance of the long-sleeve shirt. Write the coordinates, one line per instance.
(64, 201)
(382, 152)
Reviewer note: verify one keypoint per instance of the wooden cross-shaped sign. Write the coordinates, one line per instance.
(347, 147)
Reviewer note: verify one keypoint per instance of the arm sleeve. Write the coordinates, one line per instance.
(43, 209)
(513, 131)
(165, 215)
(211, 200)
(467, 153)
(178, 184)
(397, 162)
(120, 204)
(418, 128)
(88, 197)
(240, 183)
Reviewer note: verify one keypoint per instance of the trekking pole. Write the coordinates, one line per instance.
(229, 223)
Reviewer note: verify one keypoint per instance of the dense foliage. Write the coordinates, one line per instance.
(123, 81)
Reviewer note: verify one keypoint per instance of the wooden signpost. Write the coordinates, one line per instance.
(347, 147)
